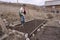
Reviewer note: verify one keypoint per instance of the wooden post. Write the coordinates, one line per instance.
(17, 1)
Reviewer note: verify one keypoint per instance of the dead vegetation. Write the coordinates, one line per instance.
(8, 34)
(49, 16)
(10, 17)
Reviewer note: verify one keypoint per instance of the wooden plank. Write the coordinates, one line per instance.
(4, 36)
(38, 27)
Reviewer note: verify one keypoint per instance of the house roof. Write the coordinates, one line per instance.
(50, 3)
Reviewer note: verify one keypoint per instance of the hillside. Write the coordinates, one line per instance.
(10, 11)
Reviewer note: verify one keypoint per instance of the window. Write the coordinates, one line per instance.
(57, 11)
(53, 11)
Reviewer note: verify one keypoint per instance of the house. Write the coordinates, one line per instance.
(52, 6)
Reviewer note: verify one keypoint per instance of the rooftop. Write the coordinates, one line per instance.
(50, 3)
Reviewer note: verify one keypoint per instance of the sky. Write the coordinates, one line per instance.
(35, 2)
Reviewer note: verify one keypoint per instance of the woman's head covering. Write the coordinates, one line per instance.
(21, 9)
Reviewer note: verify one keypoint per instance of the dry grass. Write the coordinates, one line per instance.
(10, 17)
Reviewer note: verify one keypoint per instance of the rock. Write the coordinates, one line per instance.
(27, 39)
(26, 35)
(6, 22)
(38, 30)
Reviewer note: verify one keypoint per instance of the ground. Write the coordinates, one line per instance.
(49, 32)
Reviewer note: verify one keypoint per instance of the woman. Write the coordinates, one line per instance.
(22, 14)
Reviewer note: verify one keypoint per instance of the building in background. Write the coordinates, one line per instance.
(52, 6)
